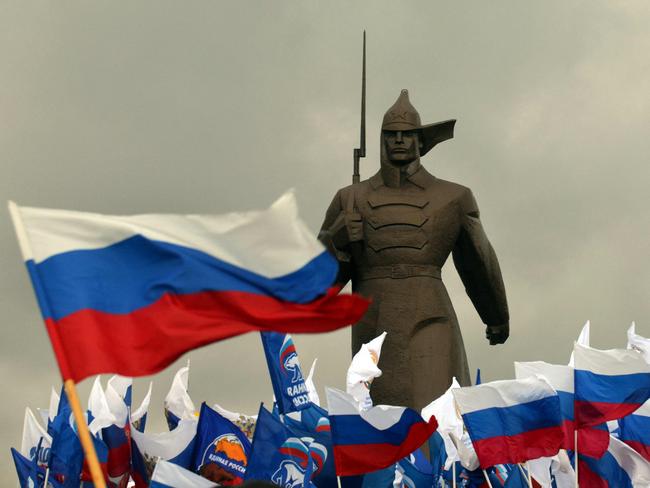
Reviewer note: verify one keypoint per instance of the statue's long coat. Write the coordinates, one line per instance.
(409, 232)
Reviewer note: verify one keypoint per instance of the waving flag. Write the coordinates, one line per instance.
(35, 437)
(373, 439)
(222, 450)
(363, 370)
(592, 441)
(245, 423)
(284, 368)
(168, 475)
(30, 475)
(638, 343)
(449, 421)
(278, 454)
(608, 384)
(620, 467)
(511, 421)
(306, 427)
(583, 340)
(138, 417)
(176, 446)
(634, 430)
(107, 285)
(178, 403)
(311, 387)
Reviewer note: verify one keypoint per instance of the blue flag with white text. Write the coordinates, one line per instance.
(284, 368)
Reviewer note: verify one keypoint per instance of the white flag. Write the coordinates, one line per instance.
(178, 401)
(363, 370)
(311, 387)
(32, 434)
(583, 340)
(98, 406)
(167, 474)
(638, 343)
(449, 421)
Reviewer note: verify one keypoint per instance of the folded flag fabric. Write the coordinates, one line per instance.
(279, 455)
(608, 384)
(449, 421)
(620, 467)
(583, 340)
(634, 430)
(363, 370)
(370, 440)
(138, 417)
(30, 475)
(178, 403)
(286, 375)
(592, 441)
(107, 285)
(311, 387)
(638, 343)
(168, 475)
(245, 423)
(222, 450)
(176, 446)
(511, 421)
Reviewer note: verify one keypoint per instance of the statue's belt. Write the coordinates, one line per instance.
(400, 271)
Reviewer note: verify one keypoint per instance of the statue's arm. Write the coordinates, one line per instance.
(478, 267)
(333, 236)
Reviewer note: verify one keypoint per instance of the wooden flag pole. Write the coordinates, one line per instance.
(84, 435)
(487, 478)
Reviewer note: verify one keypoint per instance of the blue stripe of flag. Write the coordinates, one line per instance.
(136, 272)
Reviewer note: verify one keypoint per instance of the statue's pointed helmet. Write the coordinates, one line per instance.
(402, 116)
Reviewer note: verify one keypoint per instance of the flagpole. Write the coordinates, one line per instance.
(530, 476)
(84, 435)
(338, 480)
(453, 473)
(487, 478)
(575, 454)
(69, 385)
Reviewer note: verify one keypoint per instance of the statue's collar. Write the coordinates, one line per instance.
(418, 176)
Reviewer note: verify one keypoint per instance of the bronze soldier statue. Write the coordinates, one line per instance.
(391, 234)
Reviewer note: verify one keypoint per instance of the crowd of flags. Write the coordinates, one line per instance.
(507, 433)
(127, 295)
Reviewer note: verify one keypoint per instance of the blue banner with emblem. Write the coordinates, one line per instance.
(286, 376)
(222, 449)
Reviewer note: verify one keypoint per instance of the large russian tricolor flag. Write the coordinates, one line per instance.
(129, 294)
(511, 421)
(373, 439)
(608, 384)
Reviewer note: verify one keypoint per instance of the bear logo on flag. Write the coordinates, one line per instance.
(292, 470)
(289, 360)
(224, 461)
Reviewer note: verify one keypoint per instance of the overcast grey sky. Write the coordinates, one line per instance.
(161, 106)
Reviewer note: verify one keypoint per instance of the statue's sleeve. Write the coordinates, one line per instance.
(330, 239)
(478, 266)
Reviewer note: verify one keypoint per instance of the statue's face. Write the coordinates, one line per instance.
(402, 147)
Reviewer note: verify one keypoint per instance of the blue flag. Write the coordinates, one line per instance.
(66, 454)
(437, 454)
(416, 476)
(29, 473)
(319, 430)
(516, 479)
(279, 455)
(222, 450)
(284, 368)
